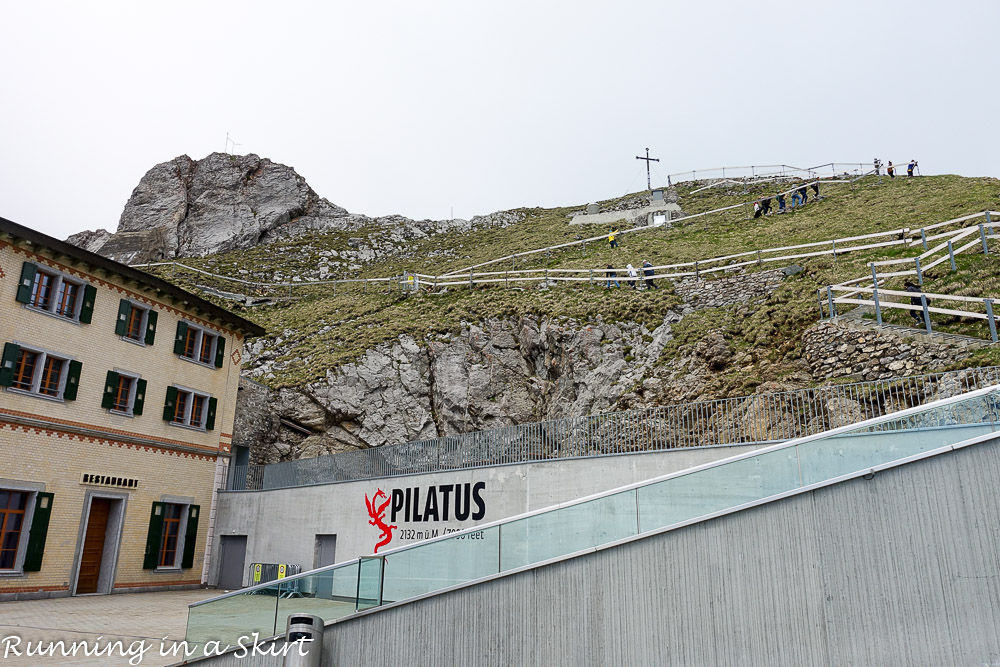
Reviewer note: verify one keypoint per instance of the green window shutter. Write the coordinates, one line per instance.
(140, 397)
(182, 329)
(110, 389)
(28, 272)
(87, 309)
(153, 536)
(171, 403)
(220, 351)
(210, 418)
(72, 381)
(150, 326)
(7, 363)
(38, 532)
(190, 536)
(121, 324)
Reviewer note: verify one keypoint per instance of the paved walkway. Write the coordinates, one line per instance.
(98, 620)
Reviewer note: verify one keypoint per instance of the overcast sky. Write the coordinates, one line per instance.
(420, 107)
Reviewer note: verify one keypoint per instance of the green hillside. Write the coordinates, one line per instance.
(327, 326)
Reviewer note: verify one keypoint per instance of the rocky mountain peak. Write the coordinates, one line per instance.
(191, 208)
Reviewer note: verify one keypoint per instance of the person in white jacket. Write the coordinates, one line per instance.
(633, 276)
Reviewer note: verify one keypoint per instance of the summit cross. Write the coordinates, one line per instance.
(648, 160)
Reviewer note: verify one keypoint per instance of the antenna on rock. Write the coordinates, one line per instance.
(230, 142)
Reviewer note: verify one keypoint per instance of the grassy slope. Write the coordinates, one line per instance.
(769, 332)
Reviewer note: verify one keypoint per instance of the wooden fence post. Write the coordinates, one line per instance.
(927, 314)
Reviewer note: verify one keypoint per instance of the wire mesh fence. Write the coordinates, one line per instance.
(755, 419)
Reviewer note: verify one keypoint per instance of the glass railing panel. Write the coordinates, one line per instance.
(227, 619)
(718, 488)
(896, 439)
(329, 594)
(567, 529)
(369, 584)
(437, 565)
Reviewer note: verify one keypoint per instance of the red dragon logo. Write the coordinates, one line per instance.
(377, 514)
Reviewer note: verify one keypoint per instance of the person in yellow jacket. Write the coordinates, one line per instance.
(611, 238)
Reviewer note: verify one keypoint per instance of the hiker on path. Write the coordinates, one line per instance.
(633, 276)
(796, 198)
(765, 206)
(804, 193)
(916, 313)
(878, 167)
(781, 204)
(612, 277)
(910, 167)
(815, 187)
(757, 210)
(891, 170)
(611, 238)
(647, 272)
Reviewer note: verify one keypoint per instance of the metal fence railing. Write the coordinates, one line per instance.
(755, 419)
(855, 292)
(767, 171)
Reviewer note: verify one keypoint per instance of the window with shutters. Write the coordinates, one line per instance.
(199, 345)
(39, 372)
(54, 293)
(124, 393)
(136, 322)
(13, 507)
(172, 536)
(187, 407)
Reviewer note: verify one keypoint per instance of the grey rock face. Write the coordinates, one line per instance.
(499, 372)
(496, 373)
(185, 208)
(92, 241)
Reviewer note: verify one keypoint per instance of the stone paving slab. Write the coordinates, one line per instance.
(99, 620)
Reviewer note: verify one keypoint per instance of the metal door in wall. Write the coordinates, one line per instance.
(93, 546)
(234, 556)
(325, 554)
(326, 550)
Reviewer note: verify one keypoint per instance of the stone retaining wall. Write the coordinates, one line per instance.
(835, 351)
(728, 290)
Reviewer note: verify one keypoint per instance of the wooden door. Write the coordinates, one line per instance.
(93, 546)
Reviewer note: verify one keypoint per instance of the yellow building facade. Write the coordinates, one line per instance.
(117, 402)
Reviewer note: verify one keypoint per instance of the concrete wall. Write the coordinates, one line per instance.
(637, 216)
(281, 525)
(900, 569)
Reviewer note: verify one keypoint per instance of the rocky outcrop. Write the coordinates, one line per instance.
(496, 373)
(499, 372)
(91, 241)
(186, 207)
